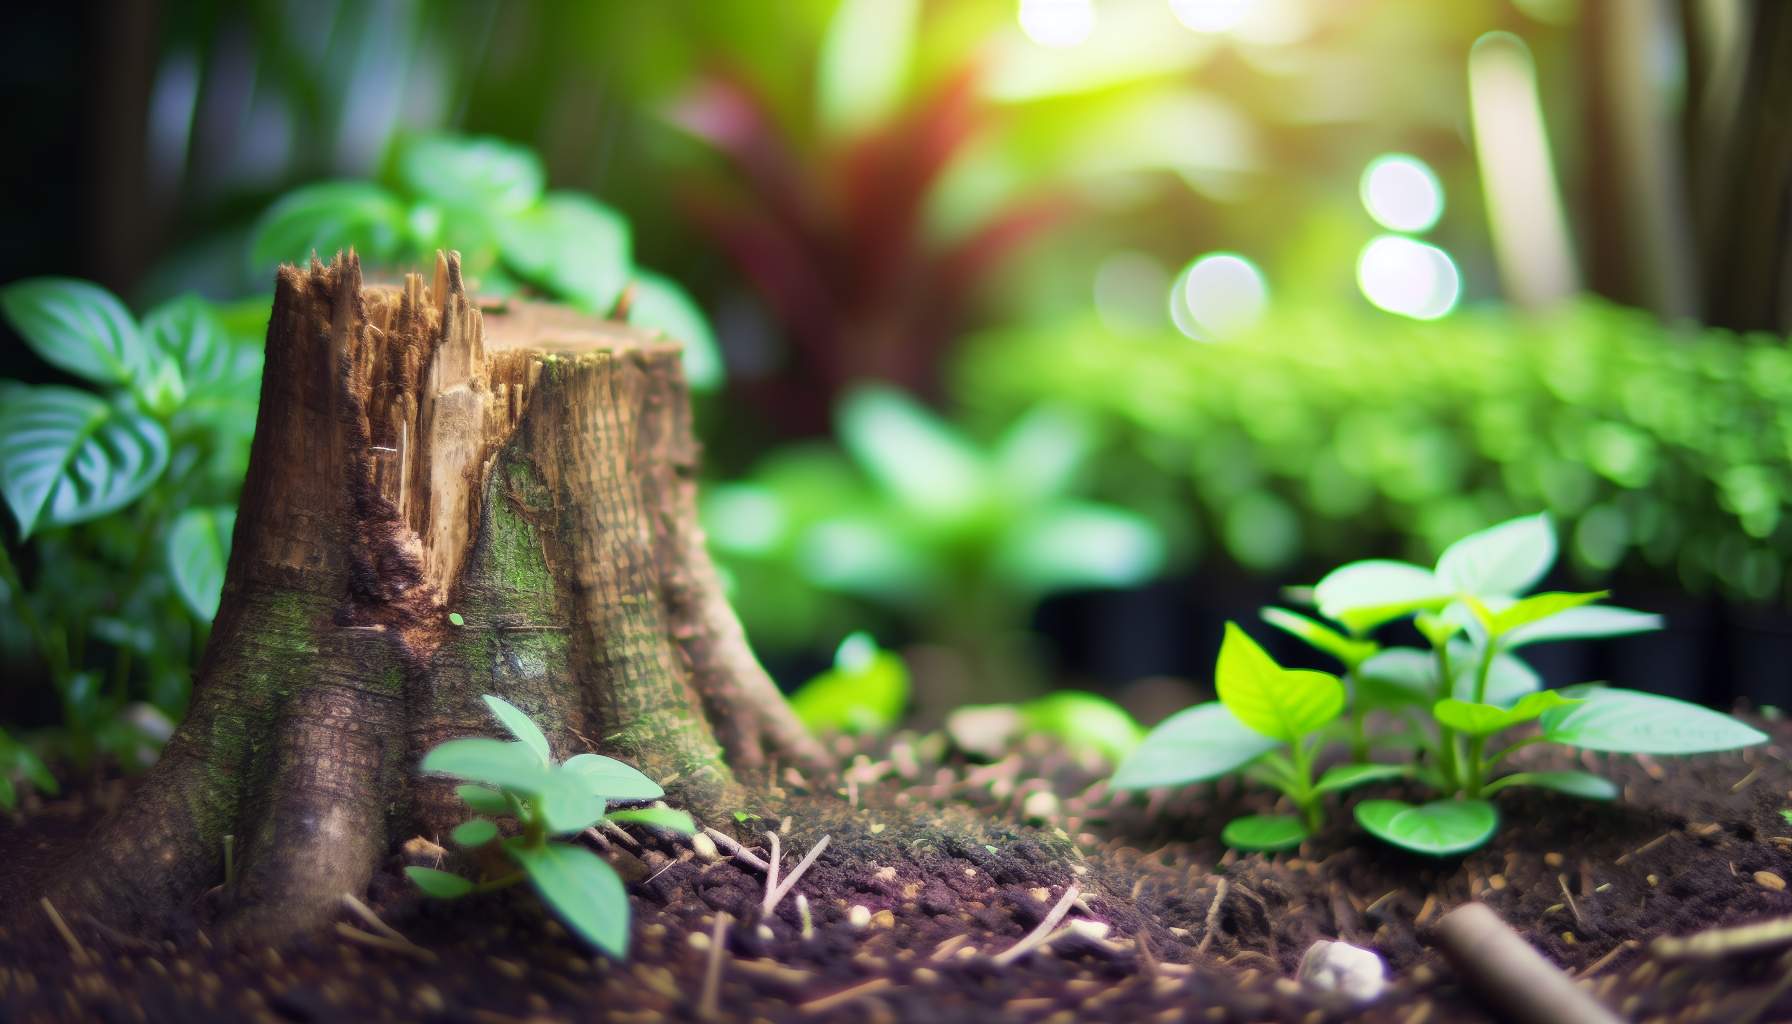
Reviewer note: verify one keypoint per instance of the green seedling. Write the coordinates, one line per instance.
(1083, 723)
(865, 692)
(1453, 700)
(19, 766)
(520, 779)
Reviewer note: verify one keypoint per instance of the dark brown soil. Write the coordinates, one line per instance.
(937, 852)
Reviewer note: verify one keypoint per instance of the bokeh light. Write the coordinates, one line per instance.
(1211, 15)
(1408, 277)
(1220, 295)
(1402, 193)
(1058, 24)
(1129, 289)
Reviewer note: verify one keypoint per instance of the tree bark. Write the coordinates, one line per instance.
(527, 470)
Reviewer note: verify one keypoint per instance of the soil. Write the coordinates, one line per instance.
(954, 862)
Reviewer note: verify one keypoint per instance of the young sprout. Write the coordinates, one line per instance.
(549, 800)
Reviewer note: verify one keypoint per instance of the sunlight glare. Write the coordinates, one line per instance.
(1402, 193)
(1408, 277)
(1220, 295)
(1057, 24)
(1211, 15)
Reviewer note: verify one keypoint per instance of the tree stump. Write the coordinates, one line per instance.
(443, 501)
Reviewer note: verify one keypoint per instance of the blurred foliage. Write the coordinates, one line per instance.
(865, 691)
(1327, 430)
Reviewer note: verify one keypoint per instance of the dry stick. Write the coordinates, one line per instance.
(773, 897)
(76, 950)
(1038, 936)
(735, 850)
(1562, 880)
(1213, 914)
(1717, 943)
(844, 996)
(712, 973)
(1612, 954)
(365, 913)
(1504, 968)
(771, 871)
(404, 946)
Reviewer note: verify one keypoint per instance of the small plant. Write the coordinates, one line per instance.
(19, 765)
(519, 779)
(865, 692)
(1454, 698)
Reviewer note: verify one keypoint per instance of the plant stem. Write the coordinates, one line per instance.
(1514, 748)
(499, 883)
(54, 650)
(1304, 797)
(1446, 736)
(1359, 735)
(1486, 668)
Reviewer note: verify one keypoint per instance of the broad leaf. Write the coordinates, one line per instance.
(568, 803)
(1584, 623)
(864, 63)
(1038, 457)
(483, 799)
(1346, 649)
(611, 778)
(1282, 704)
(1506, 559)
(1487, 719)
(1438, 828)
(67, 457)
(1585, 785)
(1398, 675)
(1508, 679)
(658, 817)
(79, 327)
(198, 552)
(476, 832)
(440, 884)
(325, 219)
(1084, 721)
(187, 332)
(1539, 607)
(661, 305)
(1629, 722)
(865, 692)
(494, 762)
(1193, 744)
(521, 726)
(573, 246)
(1078, 545)
(1264, 832)
(583, 890)
(1363, 595)
(479, 172)
(918, 458)
(1349, 776)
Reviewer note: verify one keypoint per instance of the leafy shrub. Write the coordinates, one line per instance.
(1451, 700)
(487, 198)
(124, 489)
(520, 779)
(1329, 430)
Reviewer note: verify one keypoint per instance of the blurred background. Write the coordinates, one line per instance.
(1034, 339)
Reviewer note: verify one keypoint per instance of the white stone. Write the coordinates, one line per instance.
(1339, 967)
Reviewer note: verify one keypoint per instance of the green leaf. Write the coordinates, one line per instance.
(9, 794)
(68, 457)
(440, 884)
(456, 619)
(520, 725)
(1193, 744)
(327, 218)
(568, 803)
(1539, 607)
(1038, 456)
(1509, 679)
(1363, 595)
(495, 762)
(1348, 776)
(1264, 832)
(865, 692)
(481, 173)
(1506, 559)
(1629, 722)
(1787, 814)
(34, 769)
(573, 246)
(1585, 785)
(661, 305)
(78, 327)
(198, 550)
(1084, 721)
(864, 63)
(483, 800)
(611, 778)
(1282, 704)
(583, 890)
(1321, 637)
(476, 832)
(1584, 623)
(1076, 546)
(916, 457)
(658, 817)
(1487, 719)
(1407, 675)
(1438, 828)
(189, 333)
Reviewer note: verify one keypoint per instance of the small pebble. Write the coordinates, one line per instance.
(1553, 859)
(705, 848)
(1040, 805)
(1769, 880)
(859, 916)
(1351, 971)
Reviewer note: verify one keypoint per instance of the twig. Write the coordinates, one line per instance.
(365, 913)
(1612, 954)
(1717, 943)
(404, 946)
(844, 996)
(1573, 908)
(775, 897)
(771, 871)
(735, 850)
(1213, 914)
(1499, 963)
(712, 972)
(1039, 935)
(76, 950)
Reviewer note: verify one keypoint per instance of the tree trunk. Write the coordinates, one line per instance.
(525, 470)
